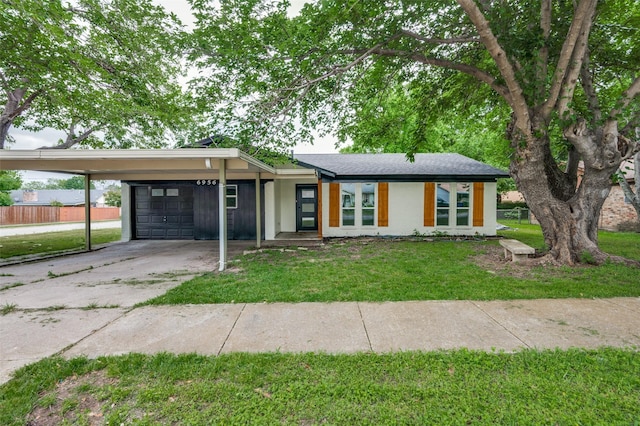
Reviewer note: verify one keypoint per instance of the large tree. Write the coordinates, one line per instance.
(566, 68)
(103, 71)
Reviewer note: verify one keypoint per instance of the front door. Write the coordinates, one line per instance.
(306, 207)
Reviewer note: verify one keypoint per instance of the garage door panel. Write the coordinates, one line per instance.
(164, 212)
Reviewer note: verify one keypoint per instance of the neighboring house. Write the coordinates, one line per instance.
(174, 194)
(617, 211)
(66, 197)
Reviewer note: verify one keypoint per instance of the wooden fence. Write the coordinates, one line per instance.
(23, 215)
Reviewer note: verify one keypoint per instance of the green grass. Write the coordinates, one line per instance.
(23, 245)
(595, 387)
(391, 270)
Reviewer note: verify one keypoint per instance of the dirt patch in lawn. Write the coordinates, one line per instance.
(72, 401)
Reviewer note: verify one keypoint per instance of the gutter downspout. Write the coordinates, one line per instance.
(87, 211)
(222, 214)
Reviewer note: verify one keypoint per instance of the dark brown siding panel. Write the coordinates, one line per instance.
(334, 205)
(478, 204)
(383, 204)
(429, 203)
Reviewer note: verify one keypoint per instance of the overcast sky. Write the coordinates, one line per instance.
(49, 137)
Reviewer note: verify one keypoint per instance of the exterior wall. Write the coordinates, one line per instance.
(406, 214)
(125, 203)
(270, 214)
(285, 200)
(616, 211)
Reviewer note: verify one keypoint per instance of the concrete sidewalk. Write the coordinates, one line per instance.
(321, 327)
(9, 231)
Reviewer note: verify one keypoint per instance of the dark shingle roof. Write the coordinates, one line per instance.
(396, 166)
(44, 197)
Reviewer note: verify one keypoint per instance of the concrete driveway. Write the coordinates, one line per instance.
(58, 301)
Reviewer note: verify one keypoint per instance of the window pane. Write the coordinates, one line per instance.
(443, 217)
(172, 192)
(462, 194)
(444, 194)
(348, 194)
(157, 192)
(368, 217)
(368, 195)
(308, 222)
(232, 190)
(308, 207)
(308, 193)
(462, 218)
(348, 217)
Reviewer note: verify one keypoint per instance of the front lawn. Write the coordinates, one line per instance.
(457, 387)
(376, 269)
(51, 242)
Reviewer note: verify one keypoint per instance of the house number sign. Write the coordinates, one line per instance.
(206, 182)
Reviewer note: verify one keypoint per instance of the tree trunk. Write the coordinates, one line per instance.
(567, 215)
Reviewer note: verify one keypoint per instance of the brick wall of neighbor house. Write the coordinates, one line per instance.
(615, 211)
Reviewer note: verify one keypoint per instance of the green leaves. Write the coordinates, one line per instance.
(97, 67)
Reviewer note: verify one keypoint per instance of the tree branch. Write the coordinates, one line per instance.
(518, 102)
(589, 89)
(626, 98)
(477, 73)
(543, 54)
(584, 12)
(575, 66)
(454, 40)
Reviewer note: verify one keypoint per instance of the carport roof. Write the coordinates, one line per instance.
(137, 164)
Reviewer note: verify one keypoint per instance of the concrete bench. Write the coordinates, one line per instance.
(518, 250)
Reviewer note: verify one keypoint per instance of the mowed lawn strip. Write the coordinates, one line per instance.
(394, 270)
(455, 387)
(51, 242)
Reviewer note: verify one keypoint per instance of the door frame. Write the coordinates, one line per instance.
(299, 213)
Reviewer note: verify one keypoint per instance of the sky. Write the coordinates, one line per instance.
(49, 137)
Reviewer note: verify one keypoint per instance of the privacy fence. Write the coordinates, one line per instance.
(23, 215)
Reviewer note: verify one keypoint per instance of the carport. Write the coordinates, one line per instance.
(195, 164)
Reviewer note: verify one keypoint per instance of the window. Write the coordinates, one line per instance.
(368, 204)
(358, 201)
(462, 204)
(348, 194)
(453, 200)
(442, 204)
(232, 196)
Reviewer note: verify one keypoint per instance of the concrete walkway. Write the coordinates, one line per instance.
(9, 231)
(320, 327)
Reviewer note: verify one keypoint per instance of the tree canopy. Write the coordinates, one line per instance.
(559, 78)
(9, 180)
(103, 71)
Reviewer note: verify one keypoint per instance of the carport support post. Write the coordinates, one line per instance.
(222, 214)
(87, 211)
(258, 212)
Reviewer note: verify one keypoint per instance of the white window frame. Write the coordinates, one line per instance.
(453, 206)
(233, 196)
(358, 208)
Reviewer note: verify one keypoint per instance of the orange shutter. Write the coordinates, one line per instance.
(478, 204)
(334, 205)
(383, 204)
(429, 204)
